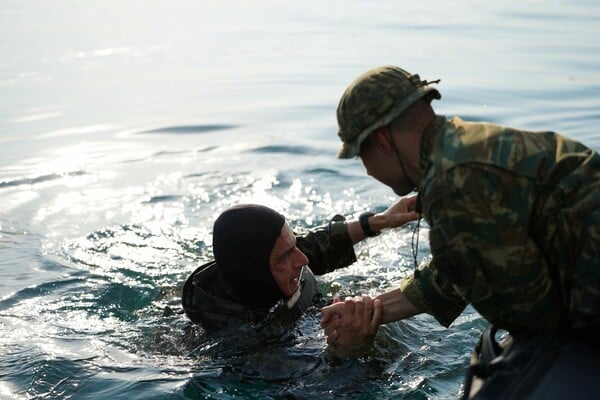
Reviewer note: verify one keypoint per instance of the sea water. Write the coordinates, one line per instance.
(127, 127)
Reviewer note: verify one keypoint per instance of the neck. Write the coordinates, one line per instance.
(411, 127)
(405, 173)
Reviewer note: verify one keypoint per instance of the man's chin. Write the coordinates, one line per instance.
(402, 191)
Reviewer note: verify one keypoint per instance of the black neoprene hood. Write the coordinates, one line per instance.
(243, 238)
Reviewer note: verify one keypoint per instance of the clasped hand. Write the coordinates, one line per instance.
(351, 324)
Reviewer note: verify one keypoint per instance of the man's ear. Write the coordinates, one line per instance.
(382, 138)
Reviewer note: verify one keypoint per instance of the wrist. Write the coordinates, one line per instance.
(369, 224)
(378, 222)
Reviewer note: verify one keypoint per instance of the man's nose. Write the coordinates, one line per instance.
(301, 259)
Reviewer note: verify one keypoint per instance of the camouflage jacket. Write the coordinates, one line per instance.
(514, 227)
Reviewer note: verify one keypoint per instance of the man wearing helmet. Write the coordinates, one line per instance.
(514, 216)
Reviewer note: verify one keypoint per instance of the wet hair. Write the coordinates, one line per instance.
(243, 238)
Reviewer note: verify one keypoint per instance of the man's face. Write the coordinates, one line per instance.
(384, 165)
(287, 261)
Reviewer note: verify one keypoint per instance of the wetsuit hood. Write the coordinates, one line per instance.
(243, 238)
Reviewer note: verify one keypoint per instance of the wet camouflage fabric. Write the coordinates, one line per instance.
(327, 247)
(373, 100)
(515, 227)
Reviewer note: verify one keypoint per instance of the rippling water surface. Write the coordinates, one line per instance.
(127, 127)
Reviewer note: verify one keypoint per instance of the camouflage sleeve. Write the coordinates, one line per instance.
(328, 247)
(482, 252)
(433, 295)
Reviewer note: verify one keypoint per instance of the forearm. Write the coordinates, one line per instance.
(328, 247)
(396, 215)
(396, 306)
(377, 222)
(352, 323)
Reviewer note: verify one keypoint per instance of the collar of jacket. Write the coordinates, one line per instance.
(427, 140)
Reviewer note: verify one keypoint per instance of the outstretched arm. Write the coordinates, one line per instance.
(331, 247)
(353, 323)
(396, 215)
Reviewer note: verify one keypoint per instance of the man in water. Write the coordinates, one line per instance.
(514, 221)
(260, 263)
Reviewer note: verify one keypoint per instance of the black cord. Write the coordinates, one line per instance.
(415, 248)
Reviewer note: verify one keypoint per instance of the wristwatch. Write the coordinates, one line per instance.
(364, 224)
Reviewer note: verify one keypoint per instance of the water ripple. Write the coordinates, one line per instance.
(39, 179)
(281, 149)
(191, 129)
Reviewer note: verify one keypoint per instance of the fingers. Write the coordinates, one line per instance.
(332, 337)
(410, 202)
(371, 312)
(333, 326)
(325, 317)
(407, 217)
(357, 306)
(352, 321)
(377, 313)
(401, 212)
(368, 309)
(328, 312)
(354, 306)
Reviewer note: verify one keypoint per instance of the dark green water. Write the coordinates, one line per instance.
(127, 127)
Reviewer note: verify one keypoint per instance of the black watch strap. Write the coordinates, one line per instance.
(364, 224)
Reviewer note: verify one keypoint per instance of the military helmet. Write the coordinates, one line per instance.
(373, 100)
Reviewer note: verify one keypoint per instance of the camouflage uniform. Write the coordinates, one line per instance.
(515, 226)
(514, 215)
(515, 231)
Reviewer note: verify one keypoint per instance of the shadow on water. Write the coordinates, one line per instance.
(191, 129)
(296, 150)
(39, 179)
(162, 199)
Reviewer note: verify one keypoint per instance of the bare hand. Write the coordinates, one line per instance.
(352, 324)
(331, 317)
(401, 212)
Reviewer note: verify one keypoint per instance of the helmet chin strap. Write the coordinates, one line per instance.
(414, 185)
(414, 242)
